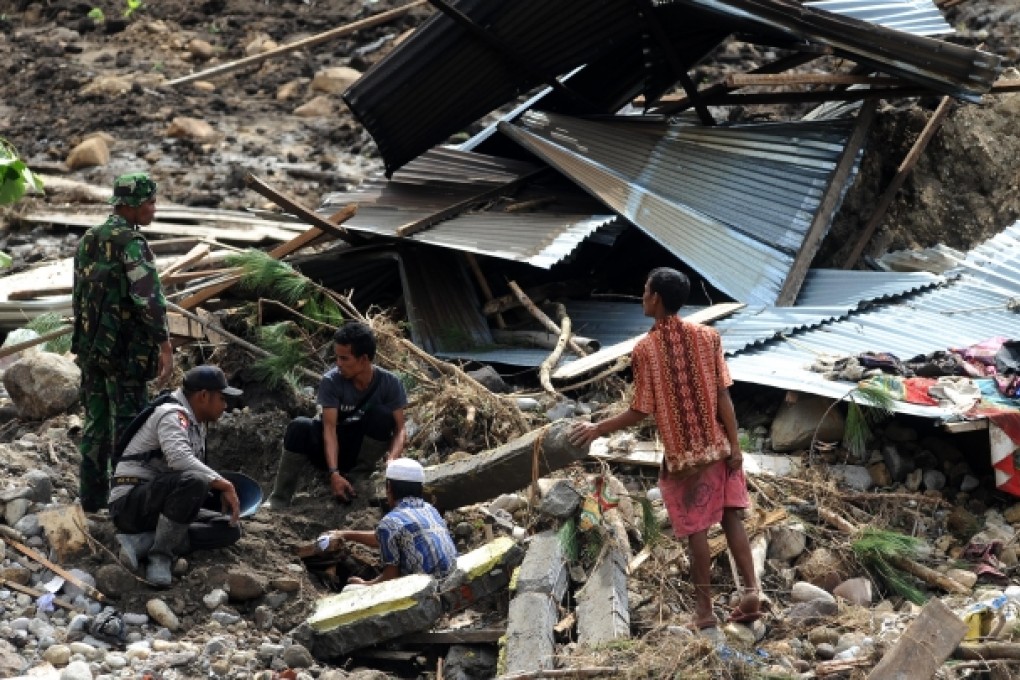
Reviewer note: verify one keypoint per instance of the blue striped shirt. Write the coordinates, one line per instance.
(414, 537)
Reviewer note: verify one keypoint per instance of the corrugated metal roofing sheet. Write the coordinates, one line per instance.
(953, 69)
(613, 322)
(444, 177)
(848, 288)
(965, 311)
(919, 17)
(733, 202)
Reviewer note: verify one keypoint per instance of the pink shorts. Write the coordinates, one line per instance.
(697, 502)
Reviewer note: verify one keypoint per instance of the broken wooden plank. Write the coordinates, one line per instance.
(736, 80)
(609, 354)
(91, 591)
(304, 214)
(455, 636)
(266, 230)
(965, 425)
(904, 170)
(922, 648)
(36, 593)
(196, 254)
(507, 468)
(332, 34)
(831, 198)
(544, 319)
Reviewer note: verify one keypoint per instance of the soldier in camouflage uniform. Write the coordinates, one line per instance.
(120, 332)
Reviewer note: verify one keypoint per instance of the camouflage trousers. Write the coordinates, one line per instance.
(110, 405)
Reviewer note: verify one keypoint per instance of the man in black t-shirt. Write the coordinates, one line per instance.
(358, 400)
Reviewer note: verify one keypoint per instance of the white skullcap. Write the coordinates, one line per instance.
(405, 470)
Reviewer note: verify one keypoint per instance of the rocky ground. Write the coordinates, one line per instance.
(69, 77)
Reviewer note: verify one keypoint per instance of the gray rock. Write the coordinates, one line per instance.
(794, 425)
(71, 590)
(16, 509)
(898, 464)
(786, 543)
(803, 591)
(934, 480)
(806, 613)
(269, 650)
(134, 619)
(470, 662)
(41, 484)
(561, 501)
(263, 617)
(216, 646)
(76, 670)
(488, 376)
(914, 480)
(29, 525)
(43, 385)
(297, 656)
(562, 409)
(214, 598)
(969, 483)
(244, 586)
(825, 651)
(856, 590)
(225, 618)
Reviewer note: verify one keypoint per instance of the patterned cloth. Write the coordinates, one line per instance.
(414, 537)
(696, 502)
(678, 371)
(119, 322)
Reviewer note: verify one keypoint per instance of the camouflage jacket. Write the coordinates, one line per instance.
(118, 303)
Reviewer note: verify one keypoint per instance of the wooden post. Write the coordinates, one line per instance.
(945, 106)
(830, 200)
(924, 645)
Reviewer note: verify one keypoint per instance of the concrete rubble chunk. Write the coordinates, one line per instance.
(504, 469)
(603, 611)
(561, 501)
(359, 617)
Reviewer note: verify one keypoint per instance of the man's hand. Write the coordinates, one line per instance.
(736, 458)
(230, 503)
(583, 434)
(343, 491)
(166, 363)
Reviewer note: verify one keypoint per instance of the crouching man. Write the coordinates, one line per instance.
(162, 480)
(413, 537)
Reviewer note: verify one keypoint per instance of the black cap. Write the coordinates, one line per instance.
(208, 377)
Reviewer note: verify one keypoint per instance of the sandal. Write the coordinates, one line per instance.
(748, 610)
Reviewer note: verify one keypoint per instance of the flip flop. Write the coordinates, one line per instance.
(742, 614)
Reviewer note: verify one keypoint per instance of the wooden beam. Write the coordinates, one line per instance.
(410, 228)
(462, 636)
(736, 80)
(279, 252)
(197, 253)
(91, 591)
(906, 166)
(332, 34)
(820, 96)
(965, 425)
(923, 647)
(291, 205)
(670, 105)
(827, 209)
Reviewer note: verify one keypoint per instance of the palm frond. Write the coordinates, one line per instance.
(874, 548)
(651, 532)
(567, 534)
(46, 323)
(286, 355)
(868, 405)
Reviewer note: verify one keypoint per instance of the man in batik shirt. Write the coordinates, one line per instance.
(681, 378)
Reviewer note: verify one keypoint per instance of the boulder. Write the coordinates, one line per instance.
(42, 385)
(90, 153)
(794, 425)
(786, 543)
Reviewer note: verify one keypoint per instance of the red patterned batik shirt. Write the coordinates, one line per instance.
(678, 371)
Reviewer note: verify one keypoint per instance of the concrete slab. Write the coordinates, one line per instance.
(480, 573)
(603, 611)
(544, 569)
(529, 633)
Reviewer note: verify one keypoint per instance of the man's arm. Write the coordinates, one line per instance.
(728, 417)
(399, 436)
(582, 434)
(363, 537)
(342, 488)
(389, 572)
(146, 294)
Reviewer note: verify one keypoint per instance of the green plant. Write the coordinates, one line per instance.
(867, 405)
(15, 177)
(130, 6)
(97, 15)
(47, 323)
(876, 548)
(285, 356)
(271, 278)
